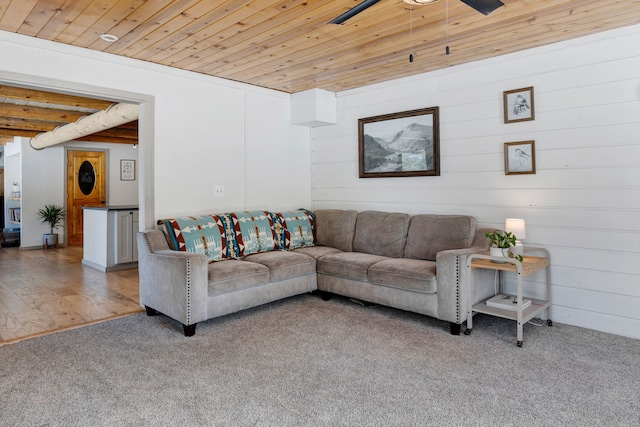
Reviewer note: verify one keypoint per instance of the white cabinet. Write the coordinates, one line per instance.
(110, 237)
(125, 228)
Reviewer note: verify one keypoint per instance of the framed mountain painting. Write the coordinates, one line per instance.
(400, 144)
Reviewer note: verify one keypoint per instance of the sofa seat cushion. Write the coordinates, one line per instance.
(234, 275)
(318, 251)
(284, 265)
(350, 265)
(408, 274)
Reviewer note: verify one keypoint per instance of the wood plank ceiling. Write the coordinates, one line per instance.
(288, 45)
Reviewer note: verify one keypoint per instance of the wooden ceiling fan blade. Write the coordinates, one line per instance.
(484, 6)
(353, 11)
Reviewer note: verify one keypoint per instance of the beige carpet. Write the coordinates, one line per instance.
(304, 361)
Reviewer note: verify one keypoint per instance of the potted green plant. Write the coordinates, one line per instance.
(54, 216)
(500, 242)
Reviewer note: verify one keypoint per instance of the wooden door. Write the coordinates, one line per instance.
(86, 178)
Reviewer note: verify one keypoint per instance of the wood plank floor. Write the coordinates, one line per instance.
(48, 291)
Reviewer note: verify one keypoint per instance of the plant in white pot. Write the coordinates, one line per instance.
(500, 242)
(54, 216)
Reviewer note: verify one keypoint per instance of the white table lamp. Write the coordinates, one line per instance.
(516, 226)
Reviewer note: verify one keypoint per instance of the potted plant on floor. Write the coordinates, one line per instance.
(54, 216)
(500, 242)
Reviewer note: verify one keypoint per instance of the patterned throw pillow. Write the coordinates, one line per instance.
(297, 228)
(254, 232)
(205, 234)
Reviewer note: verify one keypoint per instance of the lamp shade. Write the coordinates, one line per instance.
(516, 226)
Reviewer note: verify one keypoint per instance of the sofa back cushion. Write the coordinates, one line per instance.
(381, 233)
(335, 228)
(211, 235)
(430, 234)
(255, 232)
(294, 229)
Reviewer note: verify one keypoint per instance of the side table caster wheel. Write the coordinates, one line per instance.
(549, 322)
(467, 332)
(519, 343)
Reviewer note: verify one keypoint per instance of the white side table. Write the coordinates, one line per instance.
(529, 265)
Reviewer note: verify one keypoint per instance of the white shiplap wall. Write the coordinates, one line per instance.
(583, 204)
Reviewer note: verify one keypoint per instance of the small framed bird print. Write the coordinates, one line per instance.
(519, 158)
(518, 105)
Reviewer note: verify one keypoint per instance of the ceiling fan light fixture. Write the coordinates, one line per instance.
(419, 2)
(109, 38)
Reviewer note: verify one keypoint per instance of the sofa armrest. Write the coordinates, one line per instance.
(452, 292)
(172, 282)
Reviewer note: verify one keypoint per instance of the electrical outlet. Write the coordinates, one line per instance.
(218, 191)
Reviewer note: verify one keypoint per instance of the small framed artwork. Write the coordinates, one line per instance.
(519, 158)
(127, 170)
(400, 144)
(518, 105)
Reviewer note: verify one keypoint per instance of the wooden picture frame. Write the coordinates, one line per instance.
(400, 144)
(127, 170)
(519, 158)
(519, 105)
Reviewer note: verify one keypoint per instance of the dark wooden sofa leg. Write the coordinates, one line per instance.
(455, 328)
(150, 311)
(189, 330)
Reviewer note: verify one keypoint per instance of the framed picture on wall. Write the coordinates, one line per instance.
(518, 105)
(400, 144)
(127, 170)
(519, 158)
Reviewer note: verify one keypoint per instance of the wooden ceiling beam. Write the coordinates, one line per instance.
(52, 98)
(52, 115)
(8, 134)
(11, 124)
(38, 113)
(98, 137)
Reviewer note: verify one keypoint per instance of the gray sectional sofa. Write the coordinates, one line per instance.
(414, 263)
